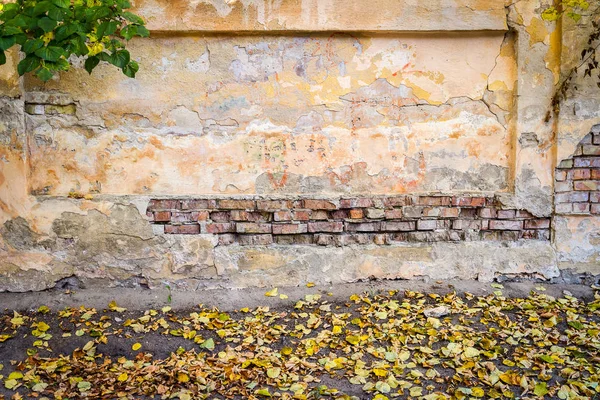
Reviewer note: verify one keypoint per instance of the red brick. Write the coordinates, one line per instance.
(255, 240)
(450, 212)
(340, 214)
(506, 214)
(231, 204)
(282, 216)
(571, 197)
(579, 174)
(220, 216)
(506, 225)
(195, 204)
(398, 201)
(183, 229)
(586, 162)
(273, 205)
(356, 213)
(434, 201)
(327, 226)
(543, 223)
(251, 227)
(488, 213)
(468, 213)
(319, 215)
(560, 175)
(218, 227)
(468, 201)
(399, 226)
(595, 174)
(164, 205)
(469, 224)
(581, 208)
(289, 229)
(363, 227)
(586, 185)
(314, 204)
(200, 215)
(361, 202)
(181, 217)
(426, 225)
(432, 212)
(524, 214)
(238, 215)
(162, 216)
(595, 197)
(393, 214)
(595, 209)
(591, 150)
(301, 215)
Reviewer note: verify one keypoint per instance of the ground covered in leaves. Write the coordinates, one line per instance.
(375, 346)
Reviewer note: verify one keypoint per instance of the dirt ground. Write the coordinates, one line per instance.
(375, 340)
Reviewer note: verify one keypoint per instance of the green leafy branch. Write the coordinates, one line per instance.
(49, 32)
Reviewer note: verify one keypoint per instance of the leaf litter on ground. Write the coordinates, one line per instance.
(375, 346)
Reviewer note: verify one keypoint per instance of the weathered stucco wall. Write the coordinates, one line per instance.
(409, 142)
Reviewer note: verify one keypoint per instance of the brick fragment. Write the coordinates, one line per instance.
(314, 204)
(566, 164)
(524, 214)
(399, 226)
(595, 197)
(162, 216)
(319, 215)
(289, 229)
(183, 229)
(363, 227)
(326, 226)
(381, 239)
(595, 174)
(596, 138)
(328, 240)
(563, 208)
(595, 209)
(397, 201)
(220, 227)
(412, 211)
(231, 204)
(227, 239)
(252, 227)
(468, 213)
(432, 212)
(540, 223)
(469, 224)
(356, 213)
(506, 225)
(434, 201)
(157, 205)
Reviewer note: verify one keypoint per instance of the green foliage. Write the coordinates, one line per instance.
(49, 32)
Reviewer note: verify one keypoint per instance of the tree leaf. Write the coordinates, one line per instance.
(2, 57)
(7, 42)
(47, 24)
(50, 53)
(28, 64)
(120, 58)
(32, 45)
(91, 63)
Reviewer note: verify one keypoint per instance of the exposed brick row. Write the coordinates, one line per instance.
(360, 220)
(577, 179)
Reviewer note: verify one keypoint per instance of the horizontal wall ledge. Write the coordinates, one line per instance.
(233, 16)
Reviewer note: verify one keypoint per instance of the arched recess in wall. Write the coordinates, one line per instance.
(577, 179)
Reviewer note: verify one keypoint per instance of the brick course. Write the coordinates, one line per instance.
(577, 180)
(380, 220)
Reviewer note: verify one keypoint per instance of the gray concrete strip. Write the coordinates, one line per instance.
(229, 300)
